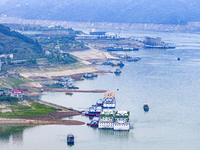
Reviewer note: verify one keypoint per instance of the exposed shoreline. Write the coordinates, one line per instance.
(35, 88)
(44, 120)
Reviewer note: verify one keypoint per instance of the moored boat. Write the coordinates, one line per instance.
(106, 119)
(121, 64)
(68, 93)
(121, 121)
(117, 71)
(109, 100)
(99, 103)
(89, 75)
(94, 122)
(93, 111)
(160, 47)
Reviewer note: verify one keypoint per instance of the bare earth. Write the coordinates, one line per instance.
(45, 120)
(85, 57)
(58, 73)
(93, 54)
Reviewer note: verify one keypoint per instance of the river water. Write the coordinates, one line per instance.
(170, 87)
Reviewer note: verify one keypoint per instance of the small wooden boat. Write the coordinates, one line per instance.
(70, 139)
(117, 71)
(146, 107)
(68, 93)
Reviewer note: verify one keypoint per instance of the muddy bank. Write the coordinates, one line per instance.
(44, 120)
(30, 122)
(36, 91)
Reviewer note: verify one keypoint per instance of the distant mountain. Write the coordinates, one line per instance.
(19, 45)
(126, 11)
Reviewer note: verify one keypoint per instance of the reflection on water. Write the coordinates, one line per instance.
(8, 131)
(116, 134)
(12, 133)
(170, 87)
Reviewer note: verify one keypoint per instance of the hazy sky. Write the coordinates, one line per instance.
(129, 11)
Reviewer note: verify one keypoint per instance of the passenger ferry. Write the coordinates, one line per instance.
(121, 121)
(106, 119)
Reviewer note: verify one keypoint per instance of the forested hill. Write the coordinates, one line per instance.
(19, 45)
(123, 11)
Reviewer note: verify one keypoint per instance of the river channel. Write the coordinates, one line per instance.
(170, 87)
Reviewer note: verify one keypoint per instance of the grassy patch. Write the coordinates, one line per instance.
(25, 79)
(16, 81)
(40, 60)
(20, 111)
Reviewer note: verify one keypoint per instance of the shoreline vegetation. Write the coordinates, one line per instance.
(34, 87)
(32, 111)
(31, 80)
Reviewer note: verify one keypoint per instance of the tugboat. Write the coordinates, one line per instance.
(146, 107)
(70, 139)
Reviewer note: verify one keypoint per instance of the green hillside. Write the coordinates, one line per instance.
(19, 45)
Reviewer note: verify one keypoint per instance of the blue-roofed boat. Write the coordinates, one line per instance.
(89, 75)
(93, 111)
(94, 122)
(70, 139)
(99, 103)
(117, 71)
(146, 107)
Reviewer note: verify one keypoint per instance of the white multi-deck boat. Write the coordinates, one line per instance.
(106, 119)
(109, 100)
(121, 121)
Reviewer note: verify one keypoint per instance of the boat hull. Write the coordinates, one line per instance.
(92, 114)
(107, 125)
(121, 127)
(146, 108)
(70, 140)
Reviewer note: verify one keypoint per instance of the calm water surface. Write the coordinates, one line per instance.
(170, 87)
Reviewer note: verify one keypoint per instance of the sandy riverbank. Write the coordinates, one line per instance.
(51, 74)
(42, 74)
(93, 55)
(85, 57)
